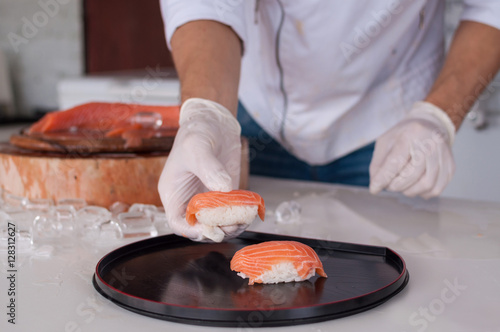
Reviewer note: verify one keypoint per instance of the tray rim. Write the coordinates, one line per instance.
(399, 283)
(267, 323)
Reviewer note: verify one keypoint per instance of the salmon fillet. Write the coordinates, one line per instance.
(104, 117)
(215, 199)
(258, 259)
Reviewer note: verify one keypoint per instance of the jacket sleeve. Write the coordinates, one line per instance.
(482, 11)
(178, 12)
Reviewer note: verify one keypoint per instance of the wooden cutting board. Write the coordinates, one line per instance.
(85, 142)
(99, 178)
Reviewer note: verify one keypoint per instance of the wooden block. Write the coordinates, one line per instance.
(100, 179)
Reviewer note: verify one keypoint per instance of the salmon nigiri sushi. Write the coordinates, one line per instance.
(277, 261)
(215, 208)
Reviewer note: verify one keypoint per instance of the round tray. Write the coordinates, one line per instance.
(178, 280)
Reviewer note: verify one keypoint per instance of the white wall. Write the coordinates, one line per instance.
(43, 42)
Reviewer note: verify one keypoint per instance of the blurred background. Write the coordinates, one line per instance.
(55, 54)
(50, 47)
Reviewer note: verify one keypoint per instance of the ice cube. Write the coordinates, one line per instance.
(14, 202)
(76, 203)
(89, 219)
(148, 209)
(110, 231)
(147, 119)
(55, 226)
(65, 217)
(288, 212)
(39, 204)
(160, 222)
(92, 214)
(104, 236)
(22, 223)
(24, 219)
(118, 207)
(46, 227)
(65, 213)
(136, 224)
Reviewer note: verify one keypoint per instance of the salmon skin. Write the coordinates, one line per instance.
(257, 260)
(102, 117)
(215, 199)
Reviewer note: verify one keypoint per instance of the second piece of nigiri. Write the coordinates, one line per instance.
(277, 261)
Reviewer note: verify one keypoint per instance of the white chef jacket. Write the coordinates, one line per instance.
(326, 77)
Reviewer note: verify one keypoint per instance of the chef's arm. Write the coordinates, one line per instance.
(206, 154)
(207, 56)
(472, 62)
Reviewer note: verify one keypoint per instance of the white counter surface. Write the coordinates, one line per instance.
(451, 247)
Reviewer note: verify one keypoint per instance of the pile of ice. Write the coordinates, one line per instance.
(43, 221)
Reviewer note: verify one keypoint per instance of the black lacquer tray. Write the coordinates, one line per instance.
(175, 279)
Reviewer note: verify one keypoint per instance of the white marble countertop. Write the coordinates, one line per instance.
(451, 247)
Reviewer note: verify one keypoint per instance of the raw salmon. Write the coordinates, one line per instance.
(217, 199)
(277, 261)
(103, 117)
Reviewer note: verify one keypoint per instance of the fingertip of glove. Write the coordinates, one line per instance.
(375, 185)
(219, 181)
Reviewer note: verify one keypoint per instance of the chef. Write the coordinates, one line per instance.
(353, 92)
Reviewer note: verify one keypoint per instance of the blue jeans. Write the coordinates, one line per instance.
(269, 158)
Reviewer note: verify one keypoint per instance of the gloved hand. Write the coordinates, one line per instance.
(206, 155)
(415, 157)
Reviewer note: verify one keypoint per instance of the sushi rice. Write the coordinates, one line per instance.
(212, 218)
(282, 272)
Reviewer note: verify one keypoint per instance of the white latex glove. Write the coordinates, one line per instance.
(415, 157)
(206, 155)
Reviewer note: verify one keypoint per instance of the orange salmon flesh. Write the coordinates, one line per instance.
(255, 259)
(214, 199)
(103, 117)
